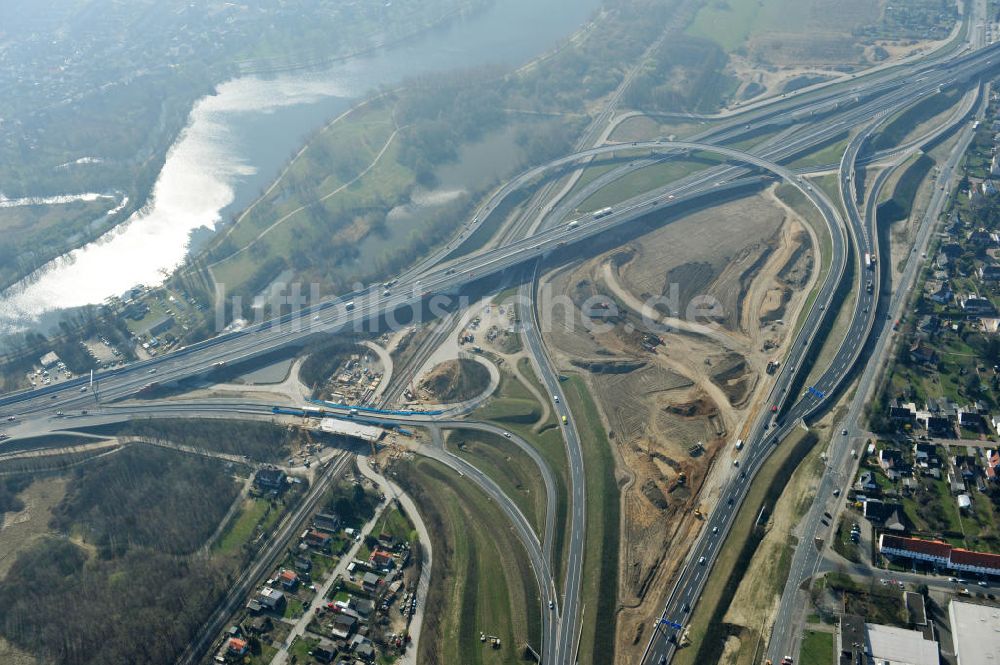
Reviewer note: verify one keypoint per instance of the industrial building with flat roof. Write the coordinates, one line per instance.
(975, 632)
(889, 645)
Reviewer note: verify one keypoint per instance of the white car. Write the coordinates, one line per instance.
(701, 561)
(507, 434)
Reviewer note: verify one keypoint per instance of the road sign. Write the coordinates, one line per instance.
(816, 393)
(671, 624)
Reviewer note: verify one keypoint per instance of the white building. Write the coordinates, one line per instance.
(889, 645)
(975, 631)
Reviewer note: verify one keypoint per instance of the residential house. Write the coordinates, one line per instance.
(952, 250)
(989, 272)
(271, 599)
(323, 654)
(866, 482)
(964, 502)
(893, 464)
(289, 580)
(929, 323)
(902, 413)
(975, 305)
(318, 539)
(270, 480)
(972, 420)
(343, 625)
(381, 560)
(237, 647)
(988, 188)
(362, 606)
(923, 452)
(327, 522)
(965, 466)
(990, 325)
(940, 426)
(303, 565)
(991, 464)
(370, 582)
(934, 552)
(980, 237)
(941, 294)
(922, 354)
(884, 514)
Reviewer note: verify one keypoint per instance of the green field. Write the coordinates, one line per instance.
(397, 525)
(817, 648)
(825, 155)
(643, 180)
(509, 467)
(600, 560)
(730, 23)
(483, 581)
(256, 513)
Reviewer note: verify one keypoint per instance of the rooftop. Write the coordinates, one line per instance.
(975, 632)
(899, 646)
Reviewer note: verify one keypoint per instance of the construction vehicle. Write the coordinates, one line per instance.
(772, 366)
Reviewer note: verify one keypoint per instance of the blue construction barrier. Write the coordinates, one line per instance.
(378, 412)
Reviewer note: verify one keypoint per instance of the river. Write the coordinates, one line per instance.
(237, 140)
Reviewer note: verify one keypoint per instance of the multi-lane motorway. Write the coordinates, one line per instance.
(804, 122)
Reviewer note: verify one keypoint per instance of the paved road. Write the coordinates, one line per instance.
(841, 464)
(788, 413)
(825, 116)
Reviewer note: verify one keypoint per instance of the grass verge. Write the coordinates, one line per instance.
(600, 560)
(509, 467)
(484, 582)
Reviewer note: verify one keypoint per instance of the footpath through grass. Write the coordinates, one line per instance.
(600, 560)
(706, 631)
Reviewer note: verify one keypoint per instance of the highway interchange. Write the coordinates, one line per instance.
(803, 122)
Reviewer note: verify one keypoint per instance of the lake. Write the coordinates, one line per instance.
(238, 139)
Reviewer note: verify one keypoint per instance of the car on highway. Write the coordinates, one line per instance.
(555, 398)
(836, 492)
(701, 561)
(564, 420)
(844, 432)
(552, 605)
(507, 434)
(715, 529)
(774, 408)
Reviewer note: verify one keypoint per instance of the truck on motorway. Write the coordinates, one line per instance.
(603, 212)
(868, 260)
